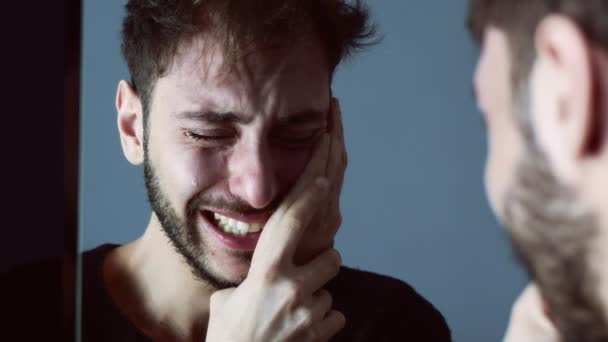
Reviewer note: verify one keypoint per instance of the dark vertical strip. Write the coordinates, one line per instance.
(72, 59)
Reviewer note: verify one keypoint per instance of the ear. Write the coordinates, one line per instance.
(130, 122)
(562, 93)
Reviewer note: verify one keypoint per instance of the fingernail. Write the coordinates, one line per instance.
(322, 183)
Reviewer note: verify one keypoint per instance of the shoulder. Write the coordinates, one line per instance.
(101, 318)
(97, 307)
(97, 254)
(385, 308)
(93, 288)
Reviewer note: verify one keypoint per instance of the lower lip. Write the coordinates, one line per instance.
(245, 243)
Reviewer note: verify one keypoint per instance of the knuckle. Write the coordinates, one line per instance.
(313, 334)
(327, 296)
(294, 222)
(271, 275)
(273, 269)
(292, 293)
(324, 301)
(305, 320)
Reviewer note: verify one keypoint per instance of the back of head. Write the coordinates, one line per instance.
(520, 18)
(553, 226)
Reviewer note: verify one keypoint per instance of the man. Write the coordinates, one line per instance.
(229, 110)
(542, 84)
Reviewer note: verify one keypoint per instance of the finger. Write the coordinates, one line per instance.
(315, 168)
(273, 226)
(280, 238)
(340, 132)
(319, 271)
(321, 304)
(337, 155)
(325, 226)
(336, 165)
(331, 325)
(308, 316)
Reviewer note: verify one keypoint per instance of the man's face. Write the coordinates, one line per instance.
(224, 146)
(550, 233)
(493, 89)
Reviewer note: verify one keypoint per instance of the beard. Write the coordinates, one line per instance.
(552, 235)
(184, 234)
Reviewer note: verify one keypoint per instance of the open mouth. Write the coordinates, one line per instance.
(233, 226)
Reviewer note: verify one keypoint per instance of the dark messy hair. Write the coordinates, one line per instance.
(153, 29)
(519, 19)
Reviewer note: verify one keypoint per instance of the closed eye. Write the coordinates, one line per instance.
(211, 137)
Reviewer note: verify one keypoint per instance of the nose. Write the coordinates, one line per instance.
(252, 175)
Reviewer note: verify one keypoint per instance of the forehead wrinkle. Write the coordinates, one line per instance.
(269, 93)
(269, 68)
(206, 59)
(198, 75)
(251, 86)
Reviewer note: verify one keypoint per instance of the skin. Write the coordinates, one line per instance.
(267, 158)
(276, 282)
(568, 91)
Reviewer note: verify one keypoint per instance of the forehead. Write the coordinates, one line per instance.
(199, 75)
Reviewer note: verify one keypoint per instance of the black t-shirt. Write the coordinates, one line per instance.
(377, 308)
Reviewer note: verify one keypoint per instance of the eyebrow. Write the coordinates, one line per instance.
(300, 117)
(215, 117)
(303, 117)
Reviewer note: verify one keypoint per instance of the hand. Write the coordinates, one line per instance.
(528, 321)
(281, 300)
(322, 231)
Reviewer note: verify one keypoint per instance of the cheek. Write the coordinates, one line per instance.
(493, 178)
(188, 172)
(503, 152)
(290, 164)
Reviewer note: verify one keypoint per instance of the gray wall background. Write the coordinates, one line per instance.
(413, 200)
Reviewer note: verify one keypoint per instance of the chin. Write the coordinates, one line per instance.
(229, 269)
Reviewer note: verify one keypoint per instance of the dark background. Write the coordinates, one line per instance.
(32, 131)
(40, 99)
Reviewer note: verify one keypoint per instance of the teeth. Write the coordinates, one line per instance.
(236, 227)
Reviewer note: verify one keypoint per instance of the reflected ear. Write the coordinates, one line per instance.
(130, 122)
(562, 84)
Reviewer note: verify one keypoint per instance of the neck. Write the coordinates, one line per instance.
(600, 264)
(152, 284)
(595, 187)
